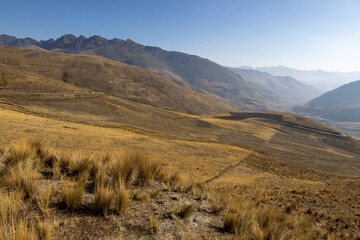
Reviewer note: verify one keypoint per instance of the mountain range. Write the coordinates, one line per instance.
(189, 71)
(322, 80)
(290, 89)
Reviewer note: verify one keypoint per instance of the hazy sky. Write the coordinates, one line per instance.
(304, 34)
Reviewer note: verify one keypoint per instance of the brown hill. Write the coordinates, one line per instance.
(202, 75)
(110, 77)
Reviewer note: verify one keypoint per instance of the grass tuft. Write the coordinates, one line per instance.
(154, 224)
(103, 198)
(186, 211)
(23, 177)
(44, 230)
(122, 200)
(72, 193)
(43, 199)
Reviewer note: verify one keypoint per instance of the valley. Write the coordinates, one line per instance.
(217, 160)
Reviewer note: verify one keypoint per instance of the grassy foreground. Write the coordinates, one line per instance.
(46, 194)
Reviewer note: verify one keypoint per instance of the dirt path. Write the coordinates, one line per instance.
(251, 154)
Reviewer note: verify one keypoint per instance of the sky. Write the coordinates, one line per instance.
(302, 34)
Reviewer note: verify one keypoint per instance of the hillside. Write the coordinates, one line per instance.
(198, 73)
(287, 88)
(283, 167)
(341, 104)
(103, 75)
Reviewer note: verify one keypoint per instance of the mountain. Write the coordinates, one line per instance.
(202, 75)
(103, 75)
(319, 79)
(287, 88)
(341, 104)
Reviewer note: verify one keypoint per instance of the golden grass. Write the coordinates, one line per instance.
(72, 193)
(11, 207)
(122, 200)
(24, 177)
(154, 224)
(123, 170)
(103, 198)
(19, 231)
(186, 211)
(44, 230)
(45, 193)
(244, 215)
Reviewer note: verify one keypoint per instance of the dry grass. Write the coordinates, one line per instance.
(247, 216)
(79, 165)
(103, 198)
(44, 230)
(45, 193)
(123, 169)
(186, 211)
(122, 200)
(11, 207)
(72, 193)
(19, 231)
(154, 224)
(23, 176)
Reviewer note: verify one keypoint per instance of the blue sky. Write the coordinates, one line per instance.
(304, 34)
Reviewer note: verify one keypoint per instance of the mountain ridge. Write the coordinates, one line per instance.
(197, 73)
(287, 88)
(320, 79)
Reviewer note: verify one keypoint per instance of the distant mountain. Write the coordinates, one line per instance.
(341, 104)
(319, 79)
(287, 88)
(199, 74)
(61, 71)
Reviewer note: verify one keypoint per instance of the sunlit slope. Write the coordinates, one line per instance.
(109, 77)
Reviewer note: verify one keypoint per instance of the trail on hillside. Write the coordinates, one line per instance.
(250, 155)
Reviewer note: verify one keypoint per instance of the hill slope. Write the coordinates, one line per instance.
(287, 88)
(110, 77)
(198, 73)
(341, 104)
